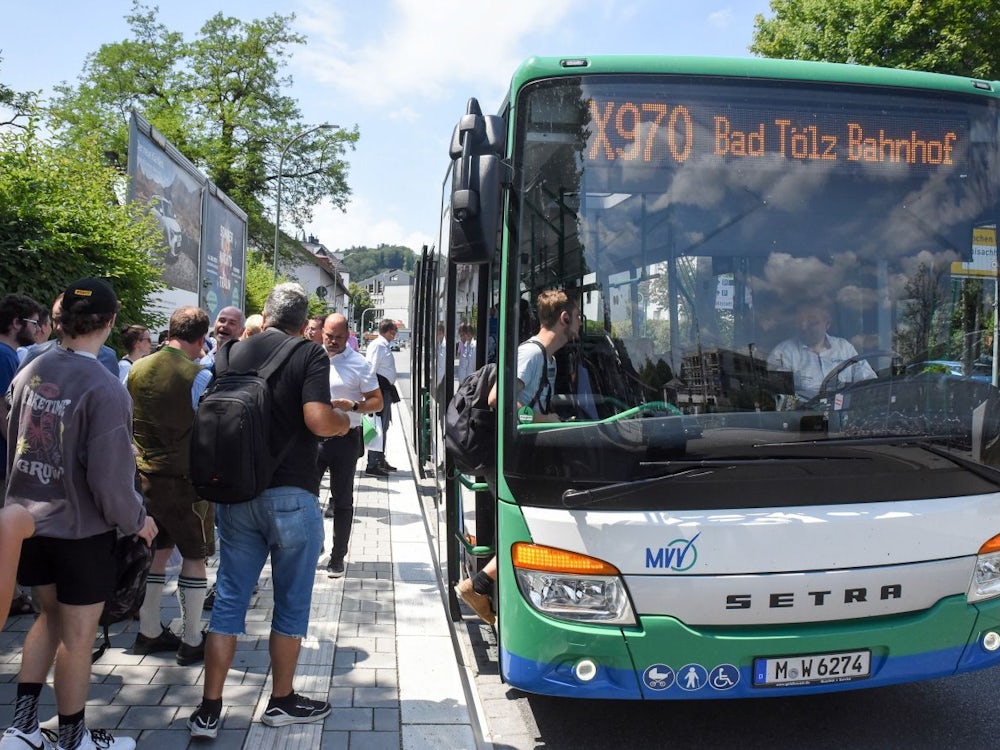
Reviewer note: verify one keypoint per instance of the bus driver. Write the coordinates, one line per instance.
(813, 353)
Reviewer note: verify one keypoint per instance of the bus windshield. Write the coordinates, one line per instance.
(771, 274)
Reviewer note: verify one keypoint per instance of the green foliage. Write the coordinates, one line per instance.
(60, 219)
(360, 301)
(260, 281)
(365, 262)
(943, 36)
(220, 99)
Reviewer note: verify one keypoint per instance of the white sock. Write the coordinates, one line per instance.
(191, 594)
(149, 614)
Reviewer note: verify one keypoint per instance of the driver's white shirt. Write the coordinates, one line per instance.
(809, 368)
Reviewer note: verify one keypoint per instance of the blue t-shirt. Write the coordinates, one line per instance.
(8, 366)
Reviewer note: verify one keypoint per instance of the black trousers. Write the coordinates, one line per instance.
(340, 456)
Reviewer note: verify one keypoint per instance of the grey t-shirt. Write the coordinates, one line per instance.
(70, 459)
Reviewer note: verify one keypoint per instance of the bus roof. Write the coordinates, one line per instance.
(753, 67)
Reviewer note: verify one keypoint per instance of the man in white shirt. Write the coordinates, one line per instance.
(354, 390)
(812, 354)
(384, 365)
(466, 352)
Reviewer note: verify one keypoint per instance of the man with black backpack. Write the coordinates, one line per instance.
(284, 521)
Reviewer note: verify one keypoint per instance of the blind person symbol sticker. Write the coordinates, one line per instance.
(691, 677)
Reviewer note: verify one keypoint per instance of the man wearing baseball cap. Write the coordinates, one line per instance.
(70, 463)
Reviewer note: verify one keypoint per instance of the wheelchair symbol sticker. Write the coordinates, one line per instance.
(658, 677)
(724, 677)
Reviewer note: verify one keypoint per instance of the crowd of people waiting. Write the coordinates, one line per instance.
(96, 445)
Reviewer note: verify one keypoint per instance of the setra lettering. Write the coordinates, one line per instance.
(784, 600)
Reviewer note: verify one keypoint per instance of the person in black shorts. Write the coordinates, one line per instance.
(70, 463)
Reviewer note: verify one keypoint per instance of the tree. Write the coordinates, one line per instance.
(943, 36)
(219, 99)
(15, 106)
(360, 301)
(60, 219)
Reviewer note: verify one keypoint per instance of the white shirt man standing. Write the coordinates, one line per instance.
(384, 364)
(355, 391)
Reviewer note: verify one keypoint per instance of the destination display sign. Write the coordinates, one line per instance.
(662, 133)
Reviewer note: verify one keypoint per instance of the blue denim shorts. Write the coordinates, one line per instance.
(285, 523)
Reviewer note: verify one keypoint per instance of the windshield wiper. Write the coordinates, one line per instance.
(680, 469)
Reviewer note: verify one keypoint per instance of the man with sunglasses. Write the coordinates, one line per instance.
(18, 324)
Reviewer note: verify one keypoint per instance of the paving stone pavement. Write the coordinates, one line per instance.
(379, 649)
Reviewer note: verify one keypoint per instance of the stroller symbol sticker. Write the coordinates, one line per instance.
(658, 677)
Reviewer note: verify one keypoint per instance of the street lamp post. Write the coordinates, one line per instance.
(281, 169)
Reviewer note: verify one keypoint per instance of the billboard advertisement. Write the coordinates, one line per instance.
(203, 255)
(223, 254)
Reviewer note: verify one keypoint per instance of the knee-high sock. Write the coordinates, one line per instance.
(191, 594)
(149, 614)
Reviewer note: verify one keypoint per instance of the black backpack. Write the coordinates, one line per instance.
(132, 560)
(470, 426)
(231, 460)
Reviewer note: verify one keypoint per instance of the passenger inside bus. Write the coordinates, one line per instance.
(559, 323)
(812, 353)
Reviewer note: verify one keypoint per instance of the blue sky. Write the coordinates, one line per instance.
(401, 70)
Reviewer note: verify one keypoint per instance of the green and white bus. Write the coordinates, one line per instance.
(725, 508)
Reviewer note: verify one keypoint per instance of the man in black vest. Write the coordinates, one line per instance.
(165, 389)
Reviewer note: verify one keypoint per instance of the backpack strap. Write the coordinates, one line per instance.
(544, 380)
(279, 356)
(271, 365)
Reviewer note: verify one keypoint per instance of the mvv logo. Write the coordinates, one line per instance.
(679, 555)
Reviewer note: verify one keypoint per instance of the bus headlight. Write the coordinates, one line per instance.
(986, 578)
(571, 586)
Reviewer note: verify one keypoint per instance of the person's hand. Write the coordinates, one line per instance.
(148, 531)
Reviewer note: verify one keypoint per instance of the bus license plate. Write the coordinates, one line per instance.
(813, 669)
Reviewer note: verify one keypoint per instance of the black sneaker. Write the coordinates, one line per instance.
(336, 568)
(187, 655)
(204, 724)
(376, 471)
(389, 467)
(165, 641)
(295, 709)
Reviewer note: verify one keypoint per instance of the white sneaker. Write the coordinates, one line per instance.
(101, 739)
(15, 739)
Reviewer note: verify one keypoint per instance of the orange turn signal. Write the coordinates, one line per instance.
(990, 546)
(537, 557)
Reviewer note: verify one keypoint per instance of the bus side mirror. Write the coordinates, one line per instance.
(477, 146)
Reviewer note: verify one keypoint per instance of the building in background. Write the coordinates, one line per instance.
(389, 292)
(320, 273)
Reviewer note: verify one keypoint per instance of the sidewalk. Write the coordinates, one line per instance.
(379, 649)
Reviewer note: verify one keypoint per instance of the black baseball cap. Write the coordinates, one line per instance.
(90, 296)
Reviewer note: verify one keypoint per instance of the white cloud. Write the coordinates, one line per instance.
(361, 226)
(421, 49)
(721, 19)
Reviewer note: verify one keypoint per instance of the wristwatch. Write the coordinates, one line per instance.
(354, 406)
